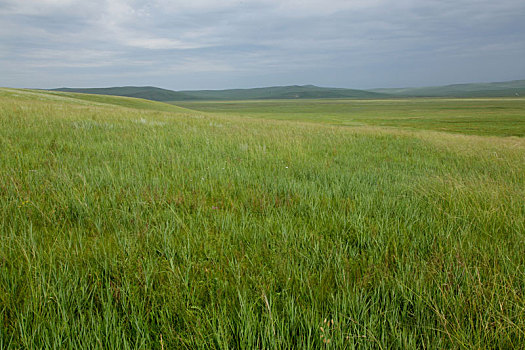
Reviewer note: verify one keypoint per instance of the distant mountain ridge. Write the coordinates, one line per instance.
(499, 89)
(145, 92)
(275, 92)
(496, 89)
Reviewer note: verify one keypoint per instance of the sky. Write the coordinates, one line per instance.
(219, 44)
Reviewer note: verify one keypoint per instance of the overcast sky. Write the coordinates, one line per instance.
(213, 44)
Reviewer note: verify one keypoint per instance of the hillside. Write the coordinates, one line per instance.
(277, 92)
(500, 89)
(93, 99)
(145, 92)
(282, 92)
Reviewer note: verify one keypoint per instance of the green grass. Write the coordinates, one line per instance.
(89, 100)
(136, 228)
(500, 117)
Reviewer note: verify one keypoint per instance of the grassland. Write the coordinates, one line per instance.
(160, 227)
(500, 117)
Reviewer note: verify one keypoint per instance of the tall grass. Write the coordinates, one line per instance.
(126, 228)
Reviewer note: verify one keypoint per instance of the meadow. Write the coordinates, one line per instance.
(476, 116)
(131, 224)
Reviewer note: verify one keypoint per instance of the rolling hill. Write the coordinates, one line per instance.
(499, 89)
(94, 99)
(145, 92)
(276, 92)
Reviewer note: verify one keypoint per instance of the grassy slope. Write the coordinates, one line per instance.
(91, 99)
(145, 92)
(502, 117)
(125, 228)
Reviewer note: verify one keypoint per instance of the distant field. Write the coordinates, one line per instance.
(501, 117)
(131, 224)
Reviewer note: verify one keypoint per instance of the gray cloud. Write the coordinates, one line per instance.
(233, 43)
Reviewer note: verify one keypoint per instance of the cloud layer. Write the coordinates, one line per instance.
(235, 43)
